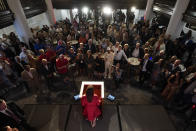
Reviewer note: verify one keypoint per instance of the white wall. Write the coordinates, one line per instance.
(185, 29)
(38, 21)
(33, 22)
(7, 30)
(66, 14)
(58, 14)
(138, 14)
(62, 14)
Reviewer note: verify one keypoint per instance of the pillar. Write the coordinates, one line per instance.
(20, 23)
(71, 15)
(149, 10)
(175, 24)
(50, 12)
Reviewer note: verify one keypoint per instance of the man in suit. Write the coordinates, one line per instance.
(11, 115)
(30, 76)
(47, 71)
(137, 52)
(146, 68)
(159, 56)
(173, 68)
(91, 46)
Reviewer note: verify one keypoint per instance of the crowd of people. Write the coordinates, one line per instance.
(85, 49)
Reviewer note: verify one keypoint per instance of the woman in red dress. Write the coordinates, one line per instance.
(91, 103)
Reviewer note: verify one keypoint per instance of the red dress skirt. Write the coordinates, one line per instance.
(91, 109)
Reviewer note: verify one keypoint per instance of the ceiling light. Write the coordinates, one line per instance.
(75, 10)
(85, 10)
(133, 9)
(107, 10)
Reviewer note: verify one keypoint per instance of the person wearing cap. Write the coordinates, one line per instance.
(109, 57)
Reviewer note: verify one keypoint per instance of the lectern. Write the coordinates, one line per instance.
(98, 90)
(97, 85)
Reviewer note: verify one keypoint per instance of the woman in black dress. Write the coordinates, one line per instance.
(89, 60)
(80, 63)
(99, 66)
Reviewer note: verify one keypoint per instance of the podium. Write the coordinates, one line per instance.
(98, 87)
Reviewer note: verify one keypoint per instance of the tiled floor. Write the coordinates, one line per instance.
(127, 93)
(114, 118)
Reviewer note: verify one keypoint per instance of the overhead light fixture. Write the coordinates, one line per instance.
(75, 10)
(107, 10)
(156, 8)
(133, 9)
(85, 10)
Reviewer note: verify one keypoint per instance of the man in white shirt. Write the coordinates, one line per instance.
(24, 56)
(2, 44)
(109, 57)
(137, 52)
(118, 55)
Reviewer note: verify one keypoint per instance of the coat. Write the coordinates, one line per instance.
(91, 109)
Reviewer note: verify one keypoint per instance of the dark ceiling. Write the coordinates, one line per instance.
(166, 6)
(120, 4)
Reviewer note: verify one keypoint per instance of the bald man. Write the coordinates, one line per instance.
(175, 66)
(47, 71)
(146, 68)
(137, 51)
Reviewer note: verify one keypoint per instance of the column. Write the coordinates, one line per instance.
(50, 12)
(149, 10)
(175, 24)
(71, 15)
(20, 22)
